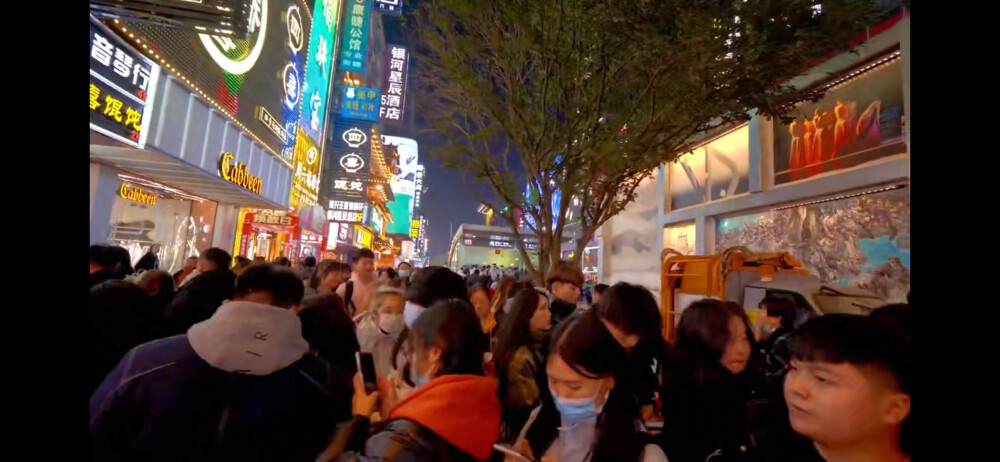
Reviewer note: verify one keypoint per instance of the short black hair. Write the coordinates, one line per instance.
(435, 283)
(362, 253)
(856, 340)
(241, 262)
(282, 284)
(282, 261)
(600, 288)
(218, 257)
(101, 255)
(880, 342)
(330, 266)
(632, 308)
(309, 261)
(779, 307)
(392, 273)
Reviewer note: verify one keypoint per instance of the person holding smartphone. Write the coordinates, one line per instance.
(586, 414)
(453, 414)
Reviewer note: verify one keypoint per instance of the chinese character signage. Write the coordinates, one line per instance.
(360, 103)
(354, 44)
(305, 176)
(394, 84)
(316, 85)
(418, 186)
(389, 7)
(346, 211)
(414, 229)
(122, 83)
(257, 79)
(348, 170)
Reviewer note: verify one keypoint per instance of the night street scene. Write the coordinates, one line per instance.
(504, 230)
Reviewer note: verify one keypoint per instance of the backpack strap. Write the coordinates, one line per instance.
(349, 299)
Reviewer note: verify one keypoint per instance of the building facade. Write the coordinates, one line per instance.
(831, 187)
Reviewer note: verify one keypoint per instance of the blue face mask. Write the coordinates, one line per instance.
(418, 380)
(575, 410)
(411, 311)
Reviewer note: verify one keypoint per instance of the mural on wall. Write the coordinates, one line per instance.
(861, 242)
(634, 252)
(680, 238)
(858, 121)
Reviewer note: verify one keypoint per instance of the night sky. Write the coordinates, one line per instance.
(447, 201)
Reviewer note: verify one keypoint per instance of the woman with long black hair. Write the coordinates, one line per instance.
(586, 415)
(518, 358)
(707, 384)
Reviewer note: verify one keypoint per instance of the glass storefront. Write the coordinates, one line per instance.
(181, 224)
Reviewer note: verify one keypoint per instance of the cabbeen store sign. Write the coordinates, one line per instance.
(354, 43)
(348, 172)
(394, 84)
(256, 79)
(122, 83)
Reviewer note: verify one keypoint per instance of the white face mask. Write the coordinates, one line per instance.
(391, 324)
(411, 311)
(404, 273)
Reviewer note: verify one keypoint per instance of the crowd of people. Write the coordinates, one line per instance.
(235, 359)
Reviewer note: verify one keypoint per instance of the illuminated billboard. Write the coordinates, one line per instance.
(403, 184)
(305, 173)
(256, 80)
(354, 44)
(319, 65)
(122, 83)
(397, 63)
(349, 172)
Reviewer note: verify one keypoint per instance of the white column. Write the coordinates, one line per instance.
(104, 186)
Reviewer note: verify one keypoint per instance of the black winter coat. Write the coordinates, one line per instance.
(400, 440)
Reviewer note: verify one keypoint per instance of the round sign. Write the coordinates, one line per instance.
(352, 162)
(294, 29)
(312, 156)
(291, 78)
(227, 55)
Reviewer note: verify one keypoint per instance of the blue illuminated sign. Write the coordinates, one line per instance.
(360, 103)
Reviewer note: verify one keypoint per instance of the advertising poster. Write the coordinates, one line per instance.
(319, 66)
(122, 83)
(354, 44)
(403, 184)
(257, 79)
(856, 122)
(861, 241)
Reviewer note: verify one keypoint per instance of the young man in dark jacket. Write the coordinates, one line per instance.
(238, 386)
(564, 282)
(197, 299)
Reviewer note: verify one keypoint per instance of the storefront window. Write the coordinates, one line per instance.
(714, 171)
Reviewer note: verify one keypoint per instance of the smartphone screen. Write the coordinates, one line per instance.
(366, 365)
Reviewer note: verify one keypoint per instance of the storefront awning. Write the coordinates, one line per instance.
(176, 173)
